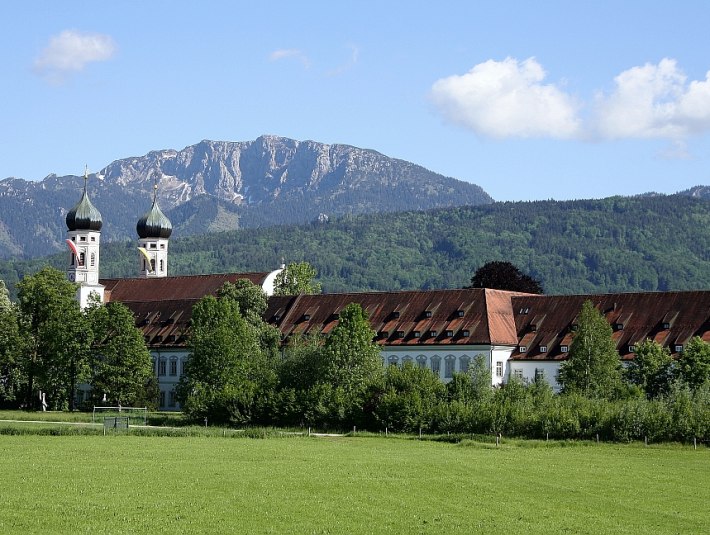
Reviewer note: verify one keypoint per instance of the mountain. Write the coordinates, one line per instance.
(590, 246)
(218, 185)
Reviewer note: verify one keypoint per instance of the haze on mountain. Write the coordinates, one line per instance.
(218, 185)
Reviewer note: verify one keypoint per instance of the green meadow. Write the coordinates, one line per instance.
(123, 483)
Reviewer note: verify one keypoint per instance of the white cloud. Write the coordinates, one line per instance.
(290, 53)
(71, 51)
(654, 101)
(507, 99)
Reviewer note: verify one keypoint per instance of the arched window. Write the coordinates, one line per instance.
(436, 365)
(392, 360)
(162, 267)
(406, 359)
(449, 363)
(421, 361)
(152, 264)
(82, 258)
(464, 363)
(93, 259)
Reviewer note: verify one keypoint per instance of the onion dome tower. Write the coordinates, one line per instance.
(83, 238)
(154, 230)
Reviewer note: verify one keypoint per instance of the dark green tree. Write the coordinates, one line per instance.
(121, 364)
(56, 335)
(650, 369)
(694, 363)
(12, 378)
(592, 367)
(295, 279)
(222, 375)
(504, 276)
(352, 358)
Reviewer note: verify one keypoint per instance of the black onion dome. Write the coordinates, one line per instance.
(154, 224)
(84, 216)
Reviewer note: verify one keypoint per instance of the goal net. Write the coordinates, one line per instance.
(136, 415)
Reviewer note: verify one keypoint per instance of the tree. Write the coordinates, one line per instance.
(592, 367)
(12, 378)
(504, 276)
(650, 369)
(352, 359)
(296, 279)
(122, 369)
(57, 338)
(694, 363)
(221, 379)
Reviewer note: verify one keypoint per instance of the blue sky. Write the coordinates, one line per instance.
(530, 100)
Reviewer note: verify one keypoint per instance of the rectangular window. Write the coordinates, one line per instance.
(93, 238)
(543, 349)
(678, 348)
(436, 365)
(523, 349)
(518, 374)
(564, 349)
(539, 374)
(464, 364)
(173, 367)
(162, 398)
(499, 369)
(161, 367)
(171, 398)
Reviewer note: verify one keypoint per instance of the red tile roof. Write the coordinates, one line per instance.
(670, 318)
(170, 288)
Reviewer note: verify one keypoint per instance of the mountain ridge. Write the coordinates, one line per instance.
(271, 180)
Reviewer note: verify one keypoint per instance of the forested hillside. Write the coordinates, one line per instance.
(609, 245)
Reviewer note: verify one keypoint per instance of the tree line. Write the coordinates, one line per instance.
(239, 373)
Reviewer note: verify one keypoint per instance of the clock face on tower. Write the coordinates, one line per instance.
(71, 277)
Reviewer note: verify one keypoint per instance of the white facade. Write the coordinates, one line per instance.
(153, 258)
(529, 370)
(84, 265)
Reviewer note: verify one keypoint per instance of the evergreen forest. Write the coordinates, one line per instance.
(616, 244)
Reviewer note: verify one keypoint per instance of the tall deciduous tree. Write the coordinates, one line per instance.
(295, 279)
(122, 369)
(352, 358)
(651, 368)
(57, 337)
(221, 378)
(592, 367)
(504, 276)
(12, 378)
(694, 363)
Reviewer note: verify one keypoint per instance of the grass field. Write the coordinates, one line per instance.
(136, 484)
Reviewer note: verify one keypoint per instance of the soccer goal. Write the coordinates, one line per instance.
(135, 415)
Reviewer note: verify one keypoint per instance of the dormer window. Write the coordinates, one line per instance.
(395, 314)
(523, 349)
(564, 349)
(533, 327)
(417, 334)
(427, 313)
(460, 313)
(306, 317)
(449, 333)
(384, 334)
(574, 327)
(666, 325)
(433, 333)
(678, 348)
(632, 348)
(524, 310)
(619, 326)
(400, 334)
(543, 349)
(465, 333)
